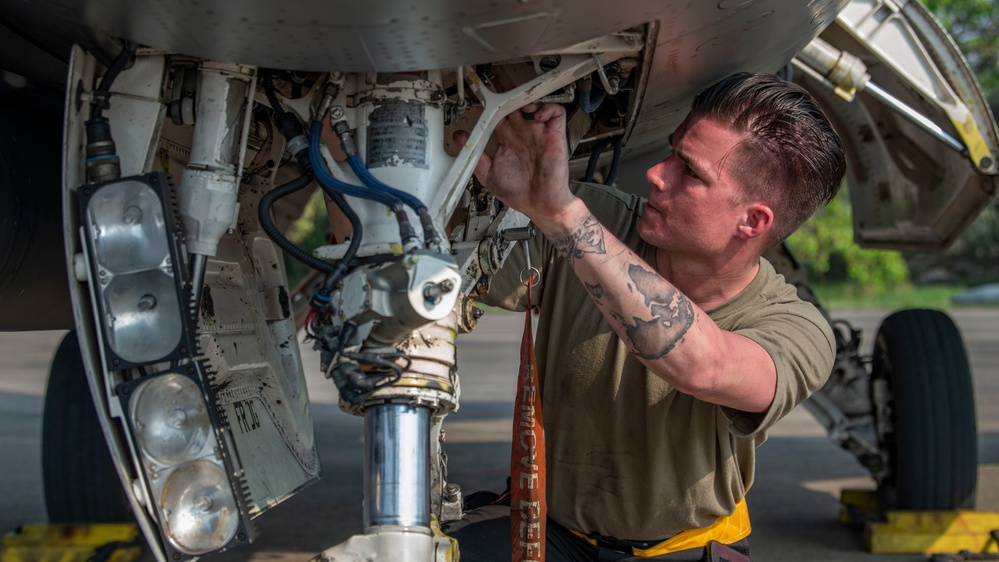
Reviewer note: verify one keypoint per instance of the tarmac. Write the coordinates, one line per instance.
(794, 502)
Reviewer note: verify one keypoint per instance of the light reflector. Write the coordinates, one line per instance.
(137, 274)
(201, 513)
(170, 419)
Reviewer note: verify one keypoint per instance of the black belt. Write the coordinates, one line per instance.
(622, 545)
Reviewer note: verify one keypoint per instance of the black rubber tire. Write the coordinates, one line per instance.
(933, 448)
(81, 483)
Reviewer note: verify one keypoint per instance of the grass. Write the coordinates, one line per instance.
(845, 296)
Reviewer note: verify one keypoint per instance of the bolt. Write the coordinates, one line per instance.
(336, 112)
(241, 537)
(986, 163)
(202, 504)
(147, 302)
(132, 215)
(433, 292)
(549, 62)
(176, 419)
(116, 362)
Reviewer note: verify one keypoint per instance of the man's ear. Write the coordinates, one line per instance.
(757, 221)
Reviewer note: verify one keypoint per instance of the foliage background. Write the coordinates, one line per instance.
(825, 242)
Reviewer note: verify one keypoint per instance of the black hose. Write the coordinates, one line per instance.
(430, 235)
(591, 166)
(102, 162)
(286, 122)
(271, 93)
(341, 267)
(104, 88)
(615, 162)
(264, 215)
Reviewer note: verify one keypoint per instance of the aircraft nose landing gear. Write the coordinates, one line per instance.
(924, 413)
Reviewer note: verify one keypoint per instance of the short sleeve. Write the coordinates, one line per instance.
(801, 344)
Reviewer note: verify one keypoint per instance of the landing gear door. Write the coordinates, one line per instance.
(920, 139)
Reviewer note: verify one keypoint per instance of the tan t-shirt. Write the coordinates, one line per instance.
(628, 455)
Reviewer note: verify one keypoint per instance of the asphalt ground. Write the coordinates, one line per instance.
(794, 503)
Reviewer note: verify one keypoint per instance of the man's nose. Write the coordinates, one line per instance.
(656, 176)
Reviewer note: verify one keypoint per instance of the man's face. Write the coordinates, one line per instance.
(694, 202)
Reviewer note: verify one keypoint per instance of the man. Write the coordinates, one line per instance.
(666, 345)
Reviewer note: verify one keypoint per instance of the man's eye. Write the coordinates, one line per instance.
(690, 172)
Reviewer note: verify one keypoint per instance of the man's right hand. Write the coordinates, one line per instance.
(530, 170)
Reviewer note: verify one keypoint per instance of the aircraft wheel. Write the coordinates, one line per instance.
(81, 483)
(932, 441)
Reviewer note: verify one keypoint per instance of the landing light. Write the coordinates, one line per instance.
(136, 270)
(184, 463)
(201, 513)
(170, 419)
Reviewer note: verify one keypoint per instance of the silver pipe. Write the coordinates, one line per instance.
(396, 466)
(198, 262)
(912, 115)
(611, 89)
(846, 74)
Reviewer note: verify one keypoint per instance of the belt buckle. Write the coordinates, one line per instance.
(623, 546)
(610, 543)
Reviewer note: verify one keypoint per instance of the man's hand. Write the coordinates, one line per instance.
(530, 170)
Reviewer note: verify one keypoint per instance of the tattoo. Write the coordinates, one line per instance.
(587, 239)
(596, 290)
(672, 315)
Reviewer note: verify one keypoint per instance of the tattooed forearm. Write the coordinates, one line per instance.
(587, 239)
(671, 312)
(596, 290)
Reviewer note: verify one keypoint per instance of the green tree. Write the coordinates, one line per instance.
(825, 245)
(974, 25)
(309, 231)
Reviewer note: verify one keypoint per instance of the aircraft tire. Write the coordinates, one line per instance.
(932, 446)
(80, 481)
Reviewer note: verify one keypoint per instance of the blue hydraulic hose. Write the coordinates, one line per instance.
(430, 236)
(590, 102)
(371, 181)
(324, 177)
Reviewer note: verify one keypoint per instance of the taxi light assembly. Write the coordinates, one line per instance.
(136, 269)
(191, 481)
(192, 484)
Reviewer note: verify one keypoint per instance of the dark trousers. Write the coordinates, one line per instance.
(484, 536)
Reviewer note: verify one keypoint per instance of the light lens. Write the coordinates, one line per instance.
(170, 419)
(134, 271)
(127, 224)
(142, 315)
(201, 513)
